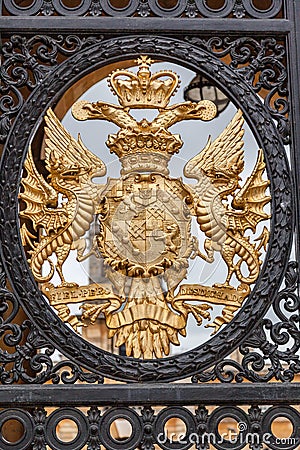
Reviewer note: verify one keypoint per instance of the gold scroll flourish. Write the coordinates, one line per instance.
(59, 297)
(230, 297)
(110, 303)
(218, 296)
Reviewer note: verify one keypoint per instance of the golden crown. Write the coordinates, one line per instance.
(144, 90)
(133, 141)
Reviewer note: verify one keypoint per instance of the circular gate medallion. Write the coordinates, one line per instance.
(144, 217)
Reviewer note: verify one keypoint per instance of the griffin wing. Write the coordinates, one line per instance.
(61, 144)
(251, 199)
(37, 195)
(223, 158)
(225, 151)
(226, 155)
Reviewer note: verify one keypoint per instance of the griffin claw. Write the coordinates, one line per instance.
(214, 325)
(199, 311)
(92, 311)
(263, 239)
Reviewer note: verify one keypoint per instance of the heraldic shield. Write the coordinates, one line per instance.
(144, 217)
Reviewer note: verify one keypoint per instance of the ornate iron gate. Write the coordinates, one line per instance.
(248, 371)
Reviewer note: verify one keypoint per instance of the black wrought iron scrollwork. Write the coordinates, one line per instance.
(35, 73)
(261, 63)
(39, 439)
(26, 62)
(68, 343)
(25, 355)
(47, 8)
(148, 416)
(32, 362)
(145, 8)
(238, 10)
(254, 428)
(131, 416)
(191, 9)
(94, 419)
(95, 8)
(263, 356)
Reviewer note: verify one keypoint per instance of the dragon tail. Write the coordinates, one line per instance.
(253, 267)
(39, 256)
(248, 254)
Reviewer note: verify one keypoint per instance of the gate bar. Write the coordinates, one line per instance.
(134, 25)
(145, 394)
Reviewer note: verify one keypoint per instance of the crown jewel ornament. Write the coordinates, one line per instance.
(139, 138)
(144, 90)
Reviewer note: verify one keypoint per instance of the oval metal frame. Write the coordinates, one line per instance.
(130, 443)
(289, 413)
(62, 9)
(235, 413)
(128, 10)
(30, 118)
(223, 11)
(272, 11)
(30, 10)
(186, 417)
(174, 11)
(25, 419)
(82, 429)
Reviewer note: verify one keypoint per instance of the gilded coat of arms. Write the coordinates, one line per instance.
(144, 217)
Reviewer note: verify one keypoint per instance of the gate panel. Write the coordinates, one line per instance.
(247, 51)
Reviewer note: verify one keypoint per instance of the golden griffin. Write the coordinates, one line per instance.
(144, 217)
